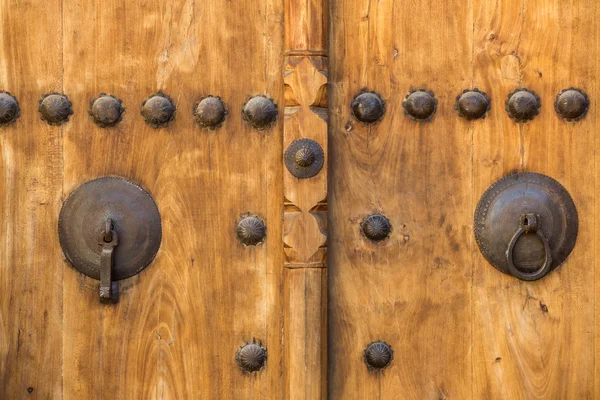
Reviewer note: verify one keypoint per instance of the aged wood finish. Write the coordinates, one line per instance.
(458, 328)
(305, 191)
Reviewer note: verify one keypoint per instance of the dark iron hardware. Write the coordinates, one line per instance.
(378, 356)
(526, 225)
(376, 227)
(260, 112)
(304, 158)
(472, 104)
(210, 112)
(572, 104)
(251, 357)
(420, 105)
(158, 110)
(55, 108)
(9, 108)
(523, 105)
(106, 110)
(368, 107)
(251, 230)
(109, 229)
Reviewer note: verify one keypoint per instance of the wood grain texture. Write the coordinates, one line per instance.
(179, 323)
(535, 340)
(413, 290)
(31, 270)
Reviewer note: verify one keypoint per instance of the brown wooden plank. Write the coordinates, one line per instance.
(30, 193)
(534, 340)
(178, 325)
(413, 290)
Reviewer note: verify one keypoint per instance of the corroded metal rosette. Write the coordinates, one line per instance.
(368, 107)
(106, 110)
(9, 108)
(304, 158)
(378, 356)
(251, 230)
(376, 227)
(158, 110)
(420, 105)
(523, 105)
(572, 104)
(472, 104)
(260, 112)
(251, 357)
(210, 112)
(55, 108)
(526, 225)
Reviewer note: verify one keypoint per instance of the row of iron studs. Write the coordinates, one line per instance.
(158, 110)
(522, 105)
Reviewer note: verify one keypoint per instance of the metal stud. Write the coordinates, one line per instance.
(251, 357)
(472, 104)
(378, 355)
(158, 110)
(572, 104)
(106, 110)
(420, 105)
(55, 108)
(376, 227)
(9, 108)
(368, 107)
(251, 230)
(260, 112)
(523, 105)
(304, 158)
(210, 112)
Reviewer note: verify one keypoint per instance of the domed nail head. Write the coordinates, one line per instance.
(420, 105)
(523, 105)
(572, 104)
(106, 110)
(368, 107)
(378, 356)
(210, 112)
(260, 112)
(55, 108)
(472, 104)
(304, 158)
(158, 110)
(251, 230)
(251, 357)
(376, 227)
(9, 108)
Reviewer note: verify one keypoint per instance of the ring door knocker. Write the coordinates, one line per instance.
(109, 229)
(526, 225)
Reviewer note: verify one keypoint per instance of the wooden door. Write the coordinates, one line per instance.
(179, 323)
(458, 328)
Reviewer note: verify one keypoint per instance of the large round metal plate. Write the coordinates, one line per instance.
(497, 220)
(135, 218)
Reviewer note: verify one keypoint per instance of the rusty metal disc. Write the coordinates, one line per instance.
(304, 158)
(135, 218)
(499, 231)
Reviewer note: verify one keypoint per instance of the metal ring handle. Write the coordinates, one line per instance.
(529, 223)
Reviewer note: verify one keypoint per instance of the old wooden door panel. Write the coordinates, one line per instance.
(459, 328)
(31, 269)
(413, 290)
(536, 340)
(178, 325)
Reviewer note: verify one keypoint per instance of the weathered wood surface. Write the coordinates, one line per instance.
(459, 328)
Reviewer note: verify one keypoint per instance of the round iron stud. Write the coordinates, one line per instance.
(251, 230)
(260, 112)
(368, 107)
(523, 105)
(55, 108)
(472, 104)
(106, 110)
(9, 108)
(376, 227)
(378, 355)
(420, 105)
(158, 110)
(251, 357)
(304, 158)
(572, 104)
(210, 112)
